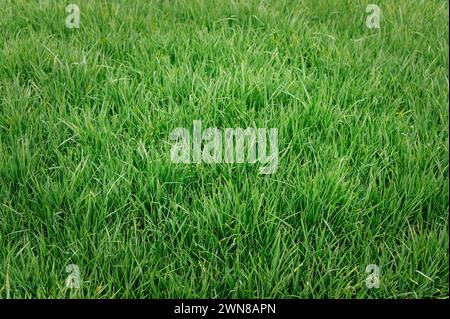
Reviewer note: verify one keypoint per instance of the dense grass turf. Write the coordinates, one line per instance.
(86, 177)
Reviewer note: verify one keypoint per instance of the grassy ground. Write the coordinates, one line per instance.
(86, 177)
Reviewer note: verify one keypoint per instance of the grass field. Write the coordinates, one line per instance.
(85, 170)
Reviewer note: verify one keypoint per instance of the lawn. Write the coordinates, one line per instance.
(87, 182)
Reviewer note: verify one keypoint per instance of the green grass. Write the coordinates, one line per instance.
(85, 170)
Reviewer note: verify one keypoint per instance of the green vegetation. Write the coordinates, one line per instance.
(85, 170)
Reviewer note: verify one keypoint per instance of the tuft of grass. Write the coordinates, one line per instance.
(86, 178)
